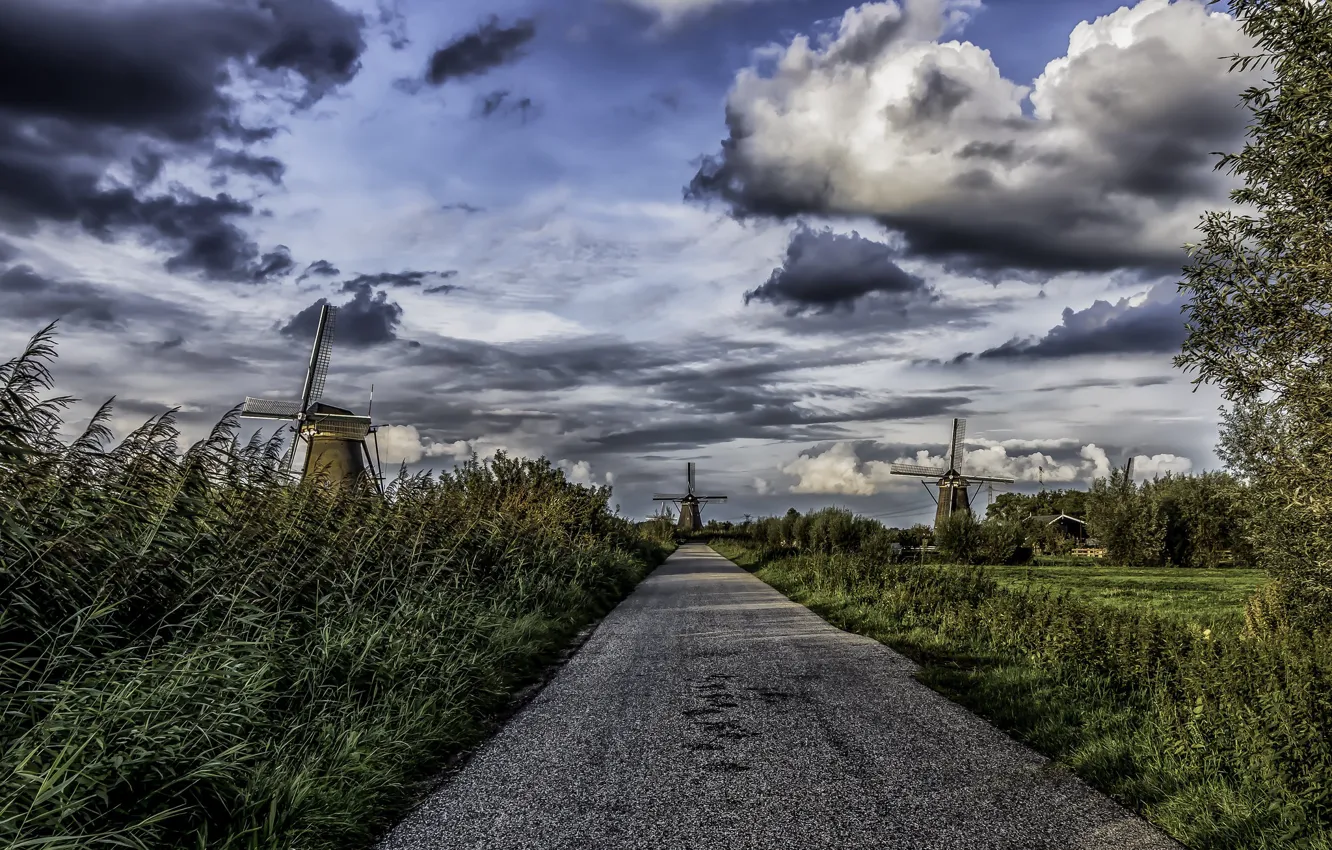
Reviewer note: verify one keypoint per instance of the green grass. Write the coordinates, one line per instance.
(1224, 741)
(1209, 598)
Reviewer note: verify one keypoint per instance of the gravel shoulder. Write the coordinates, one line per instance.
(708, 710)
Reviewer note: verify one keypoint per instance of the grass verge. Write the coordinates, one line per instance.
(1221, 740)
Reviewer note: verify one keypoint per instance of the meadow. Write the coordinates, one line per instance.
(1209, 598)
(1221, 736)
(194, 652)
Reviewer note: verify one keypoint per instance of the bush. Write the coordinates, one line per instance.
(959, 538)
(1003, 542)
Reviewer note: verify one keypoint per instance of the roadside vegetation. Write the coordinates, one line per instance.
(1219, 733)
(196, 653)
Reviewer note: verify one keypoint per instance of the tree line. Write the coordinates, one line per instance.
(1201, 521)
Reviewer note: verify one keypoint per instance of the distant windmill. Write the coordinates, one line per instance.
(335, 436)
(951, 482)
(691, 518)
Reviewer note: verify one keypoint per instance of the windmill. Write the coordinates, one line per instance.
(334, 435)
(952, 483)
(691, 519)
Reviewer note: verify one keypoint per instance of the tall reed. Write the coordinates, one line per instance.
(196, 652)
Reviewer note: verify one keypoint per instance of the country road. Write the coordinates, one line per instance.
(708, 711)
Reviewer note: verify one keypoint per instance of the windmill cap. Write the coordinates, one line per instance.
(320, 407)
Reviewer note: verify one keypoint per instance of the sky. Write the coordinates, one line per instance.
(788, 240)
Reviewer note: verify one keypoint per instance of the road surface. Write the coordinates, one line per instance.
(708, 711)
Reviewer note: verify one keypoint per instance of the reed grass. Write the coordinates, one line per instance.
(195, 652)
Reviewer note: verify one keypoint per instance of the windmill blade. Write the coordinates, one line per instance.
(711, 498)
(917, 469)
(955, 451)
(268, 408)
(691, 476)
(668, 497)
(997, 479)
(320, 353)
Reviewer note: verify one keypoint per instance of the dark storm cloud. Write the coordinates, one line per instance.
(397, 279)
(90, 90)
(779, 420)
(1152, 327)
(32, 297)
(243, 162)
(824, 271)
(482, 50)
(750, 390)
(368, 319)
(184, 358)
(276, 263)
(320, 268)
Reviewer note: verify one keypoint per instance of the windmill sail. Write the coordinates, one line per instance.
(268, 408)
(959, 434)
(320, 354)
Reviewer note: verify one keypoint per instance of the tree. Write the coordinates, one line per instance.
(1126, 521)
(1260, 302)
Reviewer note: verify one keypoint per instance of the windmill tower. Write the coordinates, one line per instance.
(952, 483)
(691, 518)
(335, 436)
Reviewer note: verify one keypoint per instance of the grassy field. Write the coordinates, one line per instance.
(1210, 598)
(1222, 740)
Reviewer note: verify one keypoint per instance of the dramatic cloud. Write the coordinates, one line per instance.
(580, 472)
(399, 444)
(244, 162)
(397, 279)
(1150, 324)
(475, 53)
(824, 271)
(1111, 166)
(321, 268)
(94, 98)
(35, 298)
(843, 468)
(368, 319)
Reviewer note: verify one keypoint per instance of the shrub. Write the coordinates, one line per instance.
(959, 538)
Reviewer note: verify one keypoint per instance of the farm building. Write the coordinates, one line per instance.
(1057, 533)
(1063, 523)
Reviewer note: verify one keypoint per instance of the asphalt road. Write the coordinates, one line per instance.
(708, 711)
